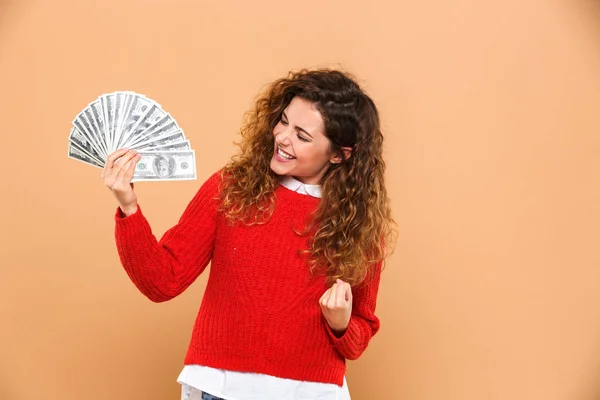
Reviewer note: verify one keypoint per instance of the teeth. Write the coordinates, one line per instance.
(282, 154)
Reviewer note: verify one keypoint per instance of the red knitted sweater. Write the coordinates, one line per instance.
(260, 312)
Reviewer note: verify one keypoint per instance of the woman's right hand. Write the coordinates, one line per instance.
(117, 175)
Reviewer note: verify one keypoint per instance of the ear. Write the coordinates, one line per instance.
(337, 158)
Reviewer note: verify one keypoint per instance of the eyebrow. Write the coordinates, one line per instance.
(296, 126)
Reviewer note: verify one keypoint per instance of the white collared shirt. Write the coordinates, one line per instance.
(294, 184)
(233, 385)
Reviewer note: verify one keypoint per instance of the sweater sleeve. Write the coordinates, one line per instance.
(163, 269)
(364, 324)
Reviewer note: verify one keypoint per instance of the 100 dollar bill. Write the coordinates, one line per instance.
(165, 166)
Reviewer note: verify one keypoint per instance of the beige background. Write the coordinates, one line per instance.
(490, 112)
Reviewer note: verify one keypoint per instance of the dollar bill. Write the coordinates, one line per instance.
(80, 155)
(120, 106)
(83, 143)
(89, 155)
(81, 123)
(164, 140)
(165, 166)
(162, 128)
(151, 116)
(96, 124)
(108, 111)
(185, 145)
(139, 106)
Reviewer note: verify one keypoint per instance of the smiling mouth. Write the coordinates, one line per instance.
(284, 155)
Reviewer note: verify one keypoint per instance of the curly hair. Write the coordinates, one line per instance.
(352, 229)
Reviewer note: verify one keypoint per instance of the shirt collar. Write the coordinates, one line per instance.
(295, 185)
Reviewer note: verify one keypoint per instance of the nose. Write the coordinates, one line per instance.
(283, 136)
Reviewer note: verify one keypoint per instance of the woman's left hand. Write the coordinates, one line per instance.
(336, 306)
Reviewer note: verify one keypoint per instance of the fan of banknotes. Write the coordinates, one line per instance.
(131, 120)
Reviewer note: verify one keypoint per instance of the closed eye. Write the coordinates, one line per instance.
(301, 132)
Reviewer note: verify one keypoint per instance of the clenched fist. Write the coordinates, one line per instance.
(336, 306)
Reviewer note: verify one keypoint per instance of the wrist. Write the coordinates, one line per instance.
(339, 329)
(129, 210)
(338, 333)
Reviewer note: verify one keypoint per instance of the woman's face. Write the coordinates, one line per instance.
(301, 148)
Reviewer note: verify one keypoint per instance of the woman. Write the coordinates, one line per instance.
(294, 227)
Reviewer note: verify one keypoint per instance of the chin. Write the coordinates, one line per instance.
(275, 167)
